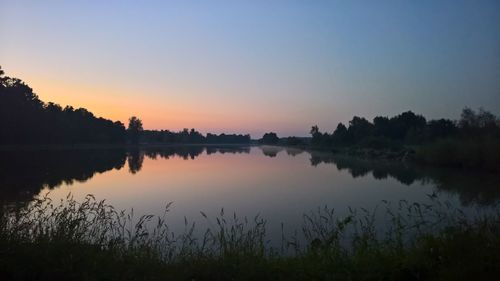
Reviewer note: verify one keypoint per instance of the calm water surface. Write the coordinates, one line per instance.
(279, 184)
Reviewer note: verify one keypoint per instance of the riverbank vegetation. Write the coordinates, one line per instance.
(473, 141)
(93, 241)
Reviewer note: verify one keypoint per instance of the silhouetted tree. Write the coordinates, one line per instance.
(134, 129)
(269, 138)
(340, 135)
(316, 135)
(401, 124)
(359, 128)
(477, 124)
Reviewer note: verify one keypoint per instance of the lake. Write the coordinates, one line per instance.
(279, 184)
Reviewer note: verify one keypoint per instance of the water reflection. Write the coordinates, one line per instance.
(222, 150)
(471, 187)
(271, 151)
(24, 173)
(135, 158)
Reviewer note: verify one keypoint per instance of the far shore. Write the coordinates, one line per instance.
(115, 146)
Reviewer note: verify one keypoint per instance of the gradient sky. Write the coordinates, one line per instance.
(255, 66)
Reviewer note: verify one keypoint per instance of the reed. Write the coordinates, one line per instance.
(91, 240)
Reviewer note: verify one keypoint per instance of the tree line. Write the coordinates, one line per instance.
(472, 142)
(408, 128)
(25, 119)
(191, 136)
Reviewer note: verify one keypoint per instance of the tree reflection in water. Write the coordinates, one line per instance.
(471, 186)
(24, 173)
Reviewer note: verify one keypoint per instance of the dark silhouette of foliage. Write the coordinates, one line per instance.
(359, 128)
(134, 129)
(408, 121)
(228, 139)
(294, 141)
(382, 126)
(442, 128)
(192, 137)
(340, 135)
(269, 138)
(478, 123)
(471, 142)
(316, 135)
(409, 128)
(25, 119)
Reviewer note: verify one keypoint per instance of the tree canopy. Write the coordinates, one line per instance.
(134, 129)
(25, 119)
(409, 128)
(269, 138)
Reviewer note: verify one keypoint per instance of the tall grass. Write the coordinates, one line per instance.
(91, 240)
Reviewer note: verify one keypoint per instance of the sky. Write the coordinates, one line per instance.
(256, 66)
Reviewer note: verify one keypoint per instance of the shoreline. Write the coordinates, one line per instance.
(114, 146)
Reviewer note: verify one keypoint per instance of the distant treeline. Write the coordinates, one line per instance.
(192, 137)
(25, 119)
(408, 128)
(473, 141)
(272, 138)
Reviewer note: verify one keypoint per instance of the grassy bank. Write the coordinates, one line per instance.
(92, 241)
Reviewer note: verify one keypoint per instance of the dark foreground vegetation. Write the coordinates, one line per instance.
(93, 241)
(25, 119)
